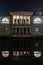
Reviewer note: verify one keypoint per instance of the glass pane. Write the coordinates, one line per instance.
(17, 17)
(28, 19)
(5, 53)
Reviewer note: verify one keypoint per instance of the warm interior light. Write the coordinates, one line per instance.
(14, 53)
(28, 19)
(17, 53)
(5, 20)
(24, 17)
(14, 17)
(37, 20)
(21, 17)
(24, 52)
(5, 53)
(37, 54)
(17, 17)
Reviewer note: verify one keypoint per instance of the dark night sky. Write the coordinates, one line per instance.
(7, 6)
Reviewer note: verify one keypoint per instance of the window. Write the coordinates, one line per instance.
(24, 21)
(18, 53)
(14, 53)
(17, 17)
(14, 19)
(37, 54)
(5, 20)
(28, 20)
(37, 20)
(24, 52)
(21, 19)
(5, 53)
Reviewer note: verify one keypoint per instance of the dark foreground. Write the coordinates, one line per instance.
(21, 44)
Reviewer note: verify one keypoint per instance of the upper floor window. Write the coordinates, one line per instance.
(28, 19)
(5, 53)
(14, 19)
(37, 20)
(21, 19)
(5, 20)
